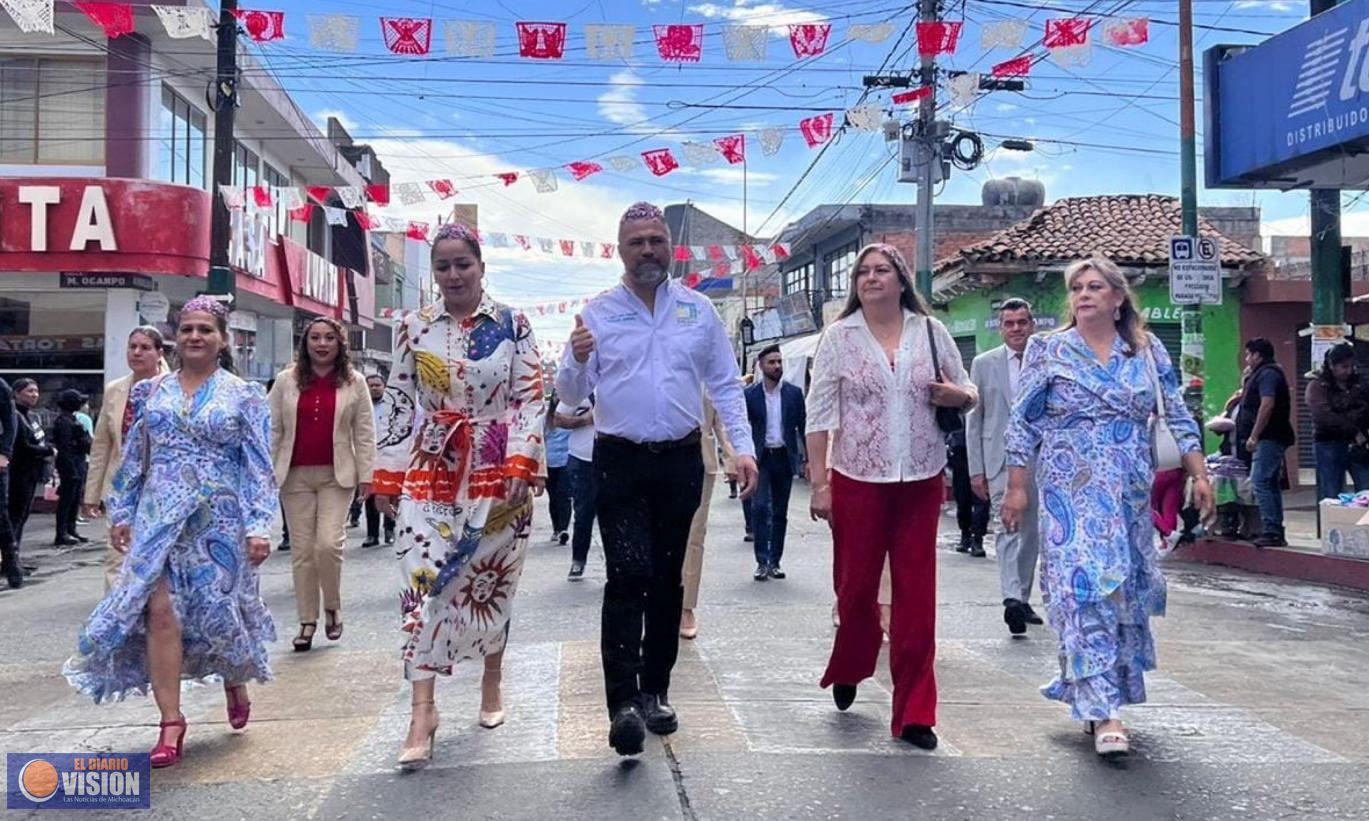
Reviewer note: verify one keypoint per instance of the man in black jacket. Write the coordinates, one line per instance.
(73, 447)
(1264, 430)
(28, 450)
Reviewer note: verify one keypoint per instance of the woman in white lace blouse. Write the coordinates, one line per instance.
(874, 394)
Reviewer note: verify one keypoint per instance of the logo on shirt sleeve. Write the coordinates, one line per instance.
(687, 313)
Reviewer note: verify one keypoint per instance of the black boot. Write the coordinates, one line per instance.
(11, 567)
(966, 542)
(977, 547)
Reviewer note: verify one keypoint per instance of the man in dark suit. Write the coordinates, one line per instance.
(778, 419)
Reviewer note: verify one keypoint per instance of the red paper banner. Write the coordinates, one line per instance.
(715, 253)
(680, 43)
(722, 269)
(407, 35)
(1134, 32)
(809, 39)
(568, 247)
(418, 231)
(261, 195)
(905, 97)
(937, 38)
(753, 259)
(542, 41)
(262, 26)
(366, 221)
(733, 148)
(681, 253)
(522, 242)
(660, 161)
(509, 178)
(816, 130)
(379, 194)
(1017, 67)
(580, 170)
(781, 251)
(320, 193)
(115, 18)
(692, 280)
(1067, 32)
(302, 214)
(442, 188)
(607, 250)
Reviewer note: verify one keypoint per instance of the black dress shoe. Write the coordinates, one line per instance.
(844, 695)
(389, 537)
(284, 547)
(762, 573)
(919, 736)
(977, 547)
(628, 730)
(577, 571)
(660, 716)
(1030, 614)
(965, 542)
(563, 537)
(65, 541)
(749, 537)
(1014, 617)
(369, 542)
(15, 578)
(775, 572)
(1270, 541)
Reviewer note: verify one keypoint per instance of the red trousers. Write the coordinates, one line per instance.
(870, 520)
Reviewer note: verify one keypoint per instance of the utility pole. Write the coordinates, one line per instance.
(1192, 360)
(928, 12)
(1328, 288)
(221, 279)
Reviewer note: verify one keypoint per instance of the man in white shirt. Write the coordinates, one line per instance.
(647, 350)
(579, 420)
(996, 373)
(375, 383)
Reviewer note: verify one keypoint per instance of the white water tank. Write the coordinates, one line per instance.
(1014, 191)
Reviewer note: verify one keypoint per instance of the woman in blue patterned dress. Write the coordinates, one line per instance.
(1082, 419)
(192, 505)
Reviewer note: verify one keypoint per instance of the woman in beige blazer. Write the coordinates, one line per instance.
(323, 448)
(144, 357)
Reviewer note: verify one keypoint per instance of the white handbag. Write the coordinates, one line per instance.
(1164, 448)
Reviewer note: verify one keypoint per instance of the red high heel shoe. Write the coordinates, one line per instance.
(238, 711)
(165, 755)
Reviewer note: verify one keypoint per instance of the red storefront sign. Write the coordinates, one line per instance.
(96, 224)
(319, 287)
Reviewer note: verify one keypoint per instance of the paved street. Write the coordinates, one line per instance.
(1260, 709)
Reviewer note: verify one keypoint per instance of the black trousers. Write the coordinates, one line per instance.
(22, 488)
(971, 512)
(559, 498)
(770, 505)
(68, 497)
(646, 502)
(373, 521)
(583, 500)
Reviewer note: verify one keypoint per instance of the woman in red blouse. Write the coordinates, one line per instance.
(323, 450)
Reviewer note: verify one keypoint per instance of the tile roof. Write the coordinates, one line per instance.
(1129, 229)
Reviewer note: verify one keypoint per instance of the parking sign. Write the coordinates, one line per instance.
(1195, 271)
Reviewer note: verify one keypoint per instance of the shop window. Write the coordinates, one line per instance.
(798, 279)
(52, 110)
(280, 215)
(61, 332)
(182, 141)
(245, 166)
(839, 265)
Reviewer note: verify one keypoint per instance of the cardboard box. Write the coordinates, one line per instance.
(1342, 531)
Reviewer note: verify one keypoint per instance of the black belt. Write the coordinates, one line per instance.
(689, 440)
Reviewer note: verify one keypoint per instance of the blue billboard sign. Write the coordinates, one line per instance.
(1283, 114)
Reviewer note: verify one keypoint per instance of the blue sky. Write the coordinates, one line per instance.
(468, 119)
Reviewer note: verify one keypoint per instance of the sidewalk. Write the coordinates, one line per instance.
(50, 560)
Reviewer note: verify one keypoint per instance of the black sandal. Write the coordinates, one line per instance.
(334, 629)
(304, 642)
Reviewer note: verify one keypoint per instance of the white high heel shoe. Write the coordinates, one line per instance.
(489, 719)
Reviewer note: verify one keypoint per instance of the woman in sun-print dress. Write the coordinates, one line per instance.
(458, 448)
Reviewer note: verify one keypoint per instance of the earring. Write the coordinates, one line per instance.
(1116, 314)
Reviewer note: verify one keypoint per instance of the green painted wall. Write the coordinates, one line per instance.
(971, 315)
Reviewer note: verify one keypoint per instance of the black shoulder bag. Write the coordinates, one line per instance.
(948, 419)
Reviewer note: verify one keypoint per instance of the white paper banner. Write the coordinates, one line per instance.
(32, 16)
(865, 117)
(624, 163)
(334, 32)
(234, 198)
(291, 198)
(1073, 56)
(350, 195)
(701, 153)
(336, 216)
(548, 245)
(964, 89)
(746, 43)
(544, 180)
(409, 193)
(609, 42)
(469, 38)
(1004, 34)
(771, 141)
(871, 33)
(182, 23)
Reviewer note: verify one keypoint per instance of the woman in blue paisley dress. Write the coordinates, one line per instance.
(192, 505)
(1081, 420)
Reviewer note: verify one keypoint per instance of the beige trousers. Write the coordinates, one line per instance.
(114, 564)
(694, 553)
(316, 510)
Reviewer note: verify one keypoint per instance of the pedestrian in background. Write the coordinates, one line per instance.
(997, 373)
(323, 451)
(559, 497)
(1099, 559)
(26, 472)
(874, 396)
(145, 361)
(778, 418)
(9, 433)
(380, 407)
(647, 350)
(1264, 432)
(713, 437)
(192, 506)
(72, 442)
(462, 449)
(1339, 403)
(579, 421)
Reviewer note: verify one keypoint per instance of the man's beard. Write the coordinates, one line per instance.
(648, 273)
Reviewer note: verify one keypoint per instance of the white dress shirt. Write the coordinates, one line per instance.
(1014, 372)
(774, 417)
(882, 418)
(581, 439)
(648, 371)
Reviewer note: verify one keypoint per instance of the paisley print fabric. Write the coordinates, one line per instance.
(466, 415)
(1087, 426)
(207, 486)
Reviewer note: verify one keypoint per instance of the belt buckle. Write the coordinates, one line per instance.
(655, 447)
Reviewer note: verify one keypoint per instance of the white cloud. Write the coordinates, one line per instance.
(1005, 108)
(619, 104)
(1272, 5)
(776, 15)
(733, 176)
